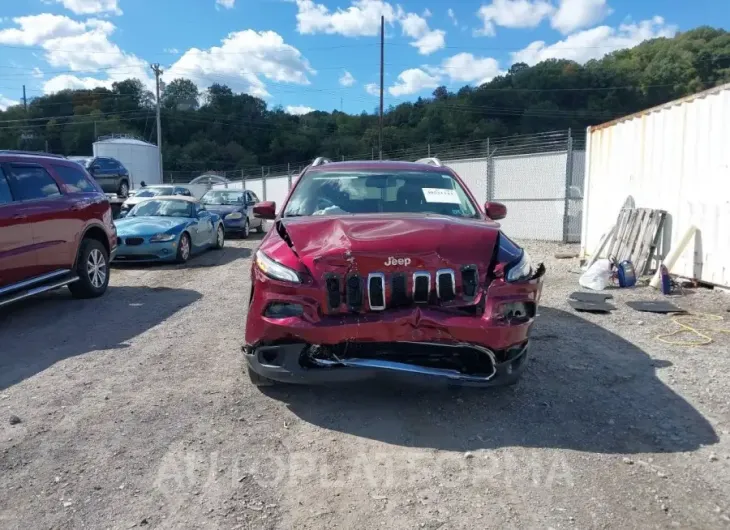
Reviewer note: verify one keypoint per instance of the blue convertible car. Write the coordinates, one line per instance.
(167, 229)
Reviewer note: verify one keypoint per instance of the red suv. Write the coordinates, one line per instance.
(56, 228)
(375, 268)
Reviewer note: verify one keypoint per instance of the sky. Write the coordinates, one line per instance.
(318, 54)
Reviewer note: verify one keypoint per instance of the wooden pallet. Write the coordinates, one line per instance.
(636, 237)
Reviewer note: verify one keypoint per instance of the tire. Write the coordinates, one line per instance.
(92, 268)
(259, 380)
(260, 227)
(220, 238)
(185, 243)
(246, 230)
(123, 190)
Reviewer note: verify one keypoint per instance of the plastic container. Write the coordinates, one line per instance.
(626, 274)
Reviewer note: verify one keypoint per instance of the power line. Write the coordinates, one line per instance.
(48, 118)
(70, 123)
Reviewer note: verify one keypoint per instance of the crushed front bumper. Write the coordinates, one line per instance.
(288, 363)
(284, 324)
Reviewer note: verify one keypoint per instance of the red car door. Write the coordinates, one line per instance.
(50, 213)
(17, 256)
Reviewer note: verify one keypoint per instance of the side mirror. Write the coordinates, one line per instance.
(123, 215)
(265, 210)
(94, 168)
(495, 210)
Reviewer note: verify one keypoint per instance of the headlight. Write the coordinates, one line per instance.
(275, 270)
(234, 215)
(162, 238)
(520, 270)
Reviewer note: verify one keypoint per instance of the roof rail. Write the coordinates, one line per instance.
(431, 161)
(33, 153)
(320, 160)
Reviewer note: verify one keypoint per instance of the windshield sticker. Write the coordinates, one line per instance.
(443, 196)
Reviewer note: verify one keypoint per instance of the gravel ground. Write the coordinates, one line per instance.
(134, 412)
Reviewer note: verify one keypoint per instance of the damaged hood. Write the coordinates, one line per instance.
(367, 243)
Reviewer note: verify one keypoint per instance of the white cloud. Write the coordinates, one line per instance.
(72, 82)
(37, 73)
(513, 14)
(465, 68)
(241, 60)
(90, 7)
(452, 16)
(426, 40)
(413, 81)
(373, 89)
(228, 4)
(7, 102)
(347, 79)
(173, 51)
(298, 110)
(78, 46)
(577, 14)
(362, 19)
(427, 13)
(35, 29)
(596, 42)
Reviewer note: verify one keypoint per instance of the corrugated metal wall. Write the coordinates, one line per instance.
(675, 158)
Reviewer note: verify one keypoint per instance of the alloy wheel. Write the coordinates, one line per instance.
(96, 268)
(184, 248)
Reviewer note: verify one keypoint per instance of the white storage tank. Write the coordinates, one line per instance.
(141, 159)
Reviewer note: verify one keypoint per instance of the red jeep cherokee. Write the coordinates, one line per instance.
(56, 228)
(388, 267)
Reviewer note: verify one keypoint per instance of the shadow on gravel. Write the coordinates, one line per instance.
(41, 331)
(585, 389)
(209, 258)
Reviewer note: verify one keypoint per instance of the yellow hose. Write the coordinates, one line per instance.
(683, 321)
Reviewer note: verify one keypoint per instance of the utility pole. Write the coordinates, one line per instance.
(158, 72)
(382, 56)
(25, 100)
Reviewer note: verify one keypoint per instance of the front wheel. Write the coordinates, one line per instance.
(123, 190)
(220, 238)
(92, 268)
(246, 229)
(183, 248)
(260, 228)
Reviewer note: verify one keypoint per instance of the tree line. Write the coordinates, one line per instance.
(216, 128)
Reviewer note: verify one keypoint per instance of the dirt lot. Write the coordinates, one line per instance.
(135, 412)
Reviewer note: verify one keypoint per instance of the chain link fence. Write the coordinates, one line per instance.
(539, 178)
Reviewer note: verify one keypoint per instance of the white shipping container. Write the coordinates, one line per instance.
(141, 159)
(675, 157)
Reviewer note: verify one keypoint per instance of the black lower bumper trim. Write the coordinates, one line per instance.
(282, 363)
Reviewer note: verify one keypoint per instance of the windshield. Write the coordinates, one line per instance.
(153, 192)
(353, 192)
(223, 197)
(162, 208)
